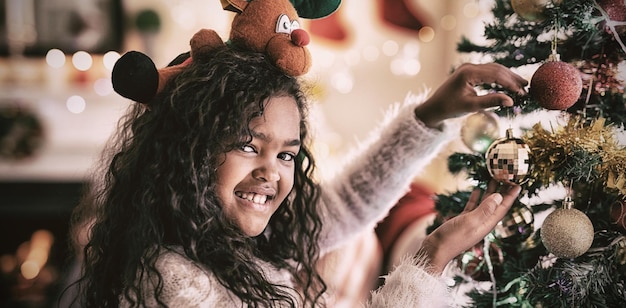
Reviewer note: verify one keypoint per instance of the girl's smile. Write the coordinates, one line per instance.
(257, 177)
(254, 197)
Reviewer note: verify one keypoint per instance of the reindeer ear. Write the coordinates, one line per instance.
(236, 6)
(313, 9)
(135, 76)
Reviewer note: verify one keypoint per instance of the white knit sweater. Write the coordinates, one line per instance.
(354, 200)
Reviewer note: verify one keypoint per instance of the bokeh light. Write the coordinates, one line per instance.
(324, 58)
(390, 48)
(109, 59)
(37, 255)
(448, 22)
(405, 66)
(426, 34)
(55, 58)
(343, 81)
(103, 86)
(371, 53)
(75, 104)
(82, 60)
(471, 10)
(352, 57)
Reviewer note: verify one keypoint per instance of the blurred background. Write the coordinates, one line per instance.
(57, 106)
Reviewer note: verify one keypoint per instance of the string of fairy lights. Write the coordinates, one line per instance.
(82, 61)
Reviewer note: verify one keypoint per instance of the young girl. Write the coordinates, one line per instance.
(209, 197)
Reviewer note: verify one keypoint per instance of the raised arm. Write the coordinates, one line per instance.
(395, 156)
(383, 167)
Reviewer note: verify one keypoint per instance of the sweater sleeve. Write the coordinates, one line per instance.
(377, 175)
(409, 285)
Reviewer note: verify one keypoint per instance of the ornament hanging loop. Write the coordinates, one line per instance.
(509, 133)
(568, 203)
(554, 55)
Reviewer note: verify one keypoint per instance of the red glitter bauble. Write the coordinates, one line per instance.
(556, 85)
(616, 9)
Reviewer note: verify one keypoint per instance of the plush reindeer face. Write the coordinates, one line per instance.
(272, 27)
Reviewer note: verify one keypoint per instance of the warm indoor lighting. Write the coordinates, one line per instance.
(184, 16)
(40, 243)
(352, 57)
(411, 49)
(390, 48)
(343, 81)
(30, 269)
(405, 66)
(448, 22)
(471, 10)
(75, 104)
(109, 59)
(103, 86)
(325, 58)
(426, 34)
(7, 263)
(55, 58)
(370, 53)
(82, 60)
(412, 67)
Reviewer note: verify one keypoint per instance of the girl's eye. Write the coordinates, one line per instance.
(247, 148)
(286, 156)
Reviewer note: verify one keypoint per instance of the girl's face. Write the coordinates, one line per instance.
(255, 178)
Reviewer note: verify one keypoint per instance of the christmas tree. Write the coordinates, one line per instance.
(576, 255)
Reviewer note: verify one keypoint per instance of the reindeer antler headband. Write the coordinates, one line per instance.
(267, 26)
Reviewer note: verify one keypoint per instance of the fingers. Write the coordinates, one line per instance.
(510, 192)
(472, 203)
(465, 230)
(494, 100)
(492, 186)
(475, 196)
(493, 207)
(489, 206)
(494, 73)
(496, 205)
(457, 95)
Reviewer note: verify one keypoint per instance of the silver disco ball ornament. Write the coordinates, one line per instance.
(517, 225)
(509, 159)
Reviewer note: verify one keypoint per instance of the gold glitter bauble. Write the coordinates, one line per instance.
(508, 159)
(531, 10)
(480, 130)
(567, 233)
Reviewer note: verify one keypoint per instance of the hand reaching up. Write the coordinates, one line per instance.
(457, 95)
(468, 228)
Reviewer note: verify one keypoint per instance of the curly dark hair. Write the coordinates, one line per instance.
(159, 190)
